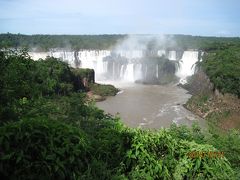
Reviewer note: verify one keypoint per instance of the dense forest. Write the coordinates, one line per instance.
(77, 42)
(46, 42)
(51, 130)
(223, 69)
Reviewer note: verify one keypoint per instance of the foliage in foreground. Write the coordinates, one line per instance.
(63, 136)
(159, 155)
(52, 149)
(43, 149)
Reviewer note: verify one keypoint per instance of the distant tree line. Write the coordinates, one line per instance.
(205, 43)
(46, 42)
(77, 42)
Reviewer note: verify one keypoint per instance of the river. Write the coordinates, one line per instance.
(150, 106)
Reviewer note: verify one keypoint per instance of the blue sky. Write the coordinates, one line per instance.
(195, 17)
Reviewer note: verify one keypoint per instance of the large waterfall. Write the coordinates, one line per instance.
(126, 65)
(187, 65)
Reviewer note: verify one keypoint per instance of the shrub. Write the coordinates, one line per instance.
(229, 143)
(159, 155)
(42, 149)
(103, 89)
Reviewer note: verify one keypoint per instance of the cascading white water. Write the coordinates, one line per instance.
(93, 59)
(172, 55)
(39, 55)
(105, 66)
(129, 73)
(129, 54)
(187, 63)
(138, 72)
(122, 72)
(161, 52)
(66, 56)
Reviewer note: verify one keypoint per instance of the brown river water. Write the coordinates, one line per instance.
(150, 106)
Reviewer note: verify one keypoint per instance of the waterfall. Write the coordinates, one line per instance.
(129, 73)
(123, 67)
(161, 52)
(122, 72)
(129, 54)
(172, 55)
(92, 59)
(138, 72)
(187, 63)
(39, 55)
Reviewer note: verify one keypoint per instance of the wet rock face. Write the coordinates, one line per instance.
(83, 77)
(88, 77)
(199, 83)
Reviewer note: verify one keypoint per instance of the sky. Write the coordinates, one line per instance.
(193, 17)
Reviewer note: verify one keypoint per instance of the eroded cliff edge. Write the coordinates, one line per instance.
(221, 110)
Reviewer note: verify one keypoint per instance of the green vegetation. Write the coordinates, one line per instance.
(229, 144)
(77, 42)
(23, 80)
(221, 62)
(103, 89)
(216, 84)
(205, 43)
(43, 149)
(198, 102)
(87, 73)
(46, 42)
(163, 155)
(222, 115)
(49, 130)
(223, 69)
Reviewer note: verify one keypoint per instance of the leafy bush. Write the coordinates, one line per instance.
(185, 133)
(42, 149)
(158, 155)
(228, 143)
(103, 89)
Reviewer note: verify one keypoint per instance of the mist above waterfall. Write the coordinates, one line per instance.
(141, 58)
(144, 43)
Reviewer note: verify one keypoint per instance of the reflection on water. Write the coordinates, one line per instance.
(150, 106)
